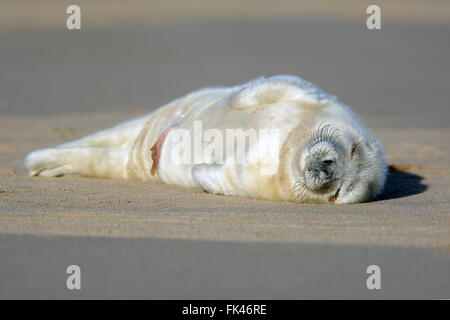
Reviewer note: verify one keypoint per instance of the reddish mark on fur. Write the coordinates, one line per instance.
(156, 150)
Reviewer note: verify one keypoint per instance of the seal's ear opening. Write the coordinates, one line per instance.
(354, 151)
(321, 166)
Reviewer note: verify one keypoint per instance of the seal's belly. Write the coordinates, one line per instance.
(202, 128)
(180, 114)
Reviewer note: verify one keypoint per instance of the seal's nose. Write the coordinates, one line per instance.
(326, 166)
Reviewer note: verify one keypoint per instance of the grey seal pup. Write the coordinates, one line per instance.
(277, 138)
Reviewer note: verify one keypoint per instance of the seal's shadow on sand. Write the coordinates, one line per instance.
(401, 183)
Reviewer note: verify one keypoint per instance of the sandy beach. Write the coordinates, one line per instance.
(58, 85)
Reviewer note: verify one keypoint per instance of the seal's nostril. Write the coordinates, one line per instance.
(328, 162)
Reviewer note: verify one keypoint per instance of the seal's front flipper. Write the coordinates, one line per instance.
(212, 178)
(156, 150)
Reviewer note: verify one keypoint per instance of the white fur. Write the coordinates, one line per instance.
(293, 106)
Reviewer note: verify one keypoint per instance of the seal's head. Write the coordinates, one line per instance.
(339, 164)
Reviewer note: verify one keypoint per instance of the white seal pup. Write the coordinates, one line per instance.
(303, 145)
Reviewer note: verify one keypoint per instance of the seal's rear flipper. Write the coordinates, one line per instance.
(84, 161)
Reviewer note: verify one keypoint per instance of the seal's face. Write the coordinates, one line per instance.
(339, 166)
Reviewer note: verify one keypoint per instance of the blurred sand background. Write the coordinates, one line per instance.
(133, 56)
